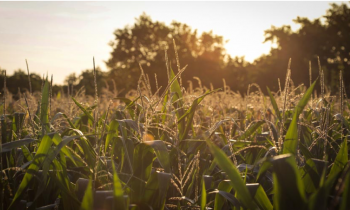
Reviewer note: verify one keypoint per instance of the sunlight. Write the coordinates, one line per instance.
(186, 106)
(69, 34)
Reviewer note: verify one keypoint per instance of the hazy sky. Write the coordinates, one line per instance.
(62, 37)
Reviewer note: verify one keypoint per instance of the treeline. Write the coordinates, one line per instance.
(143, 45)
(18, 83)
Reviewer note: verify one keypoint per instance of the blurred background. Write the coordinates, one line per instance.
(241, 42)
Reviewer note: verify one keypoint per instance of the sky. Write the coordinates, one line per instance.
(60, 38)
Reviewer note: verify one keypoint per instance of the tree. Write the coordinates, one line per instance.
(237, 74)
(71, 79)
(87, 80)
(144, 45)
(314, 39)
(19, 81)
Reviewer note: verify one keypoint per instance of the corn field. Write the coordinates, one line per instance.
(178, 148)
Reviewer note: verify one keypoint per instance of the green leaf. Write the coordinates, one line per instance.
(117, 190)
(341, 160)
(39, 157)
(62, 146)
(224, 186)
(251, 129)
(204, 196)
(57, 115)
(288, 186)
(177, 99)
(190, 113)
(175, 88)
(274, 105)
(88, 199)
(151, 190)
(232, 172)
(83, 109)
(7, 147)
(142, 165)
(142, 161)
(130, 105)
(291, 140)
(164, 180)
(264, 167)
(88, 150)
(345, 204)
(128, 145)
(70, 201)
(27, 153)
(161, 153)
(318, 200)
(310, 176)
(112, 132)
(262, 200)
(305, 151)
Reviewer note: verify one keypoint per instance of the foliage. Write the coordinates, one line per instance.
(314, 39)
(194, 148)
(144, 44)
(176, 150)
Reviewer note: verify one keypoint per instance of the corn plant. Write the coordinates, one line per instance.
(176, 149)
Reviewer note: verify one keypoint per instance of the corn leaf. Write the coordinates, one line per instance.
(251, 129)
(345, 203)
(224, 186)
(117, 190)
(274, 105)
(112, 132)
(41, 154)
(340, 160)
(7, 147)
(88, 199)
(291, 140)
(262, 200)
(204, 196)
(288, 186)
(190, 113)
(83, 109)
(161, 153)
(232, 172)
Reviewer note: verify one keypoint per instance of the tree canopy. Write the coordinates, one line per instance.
(326, 40)
(143, 46)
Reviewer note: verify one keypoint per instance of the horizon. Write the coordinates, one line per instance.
(62, 37)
